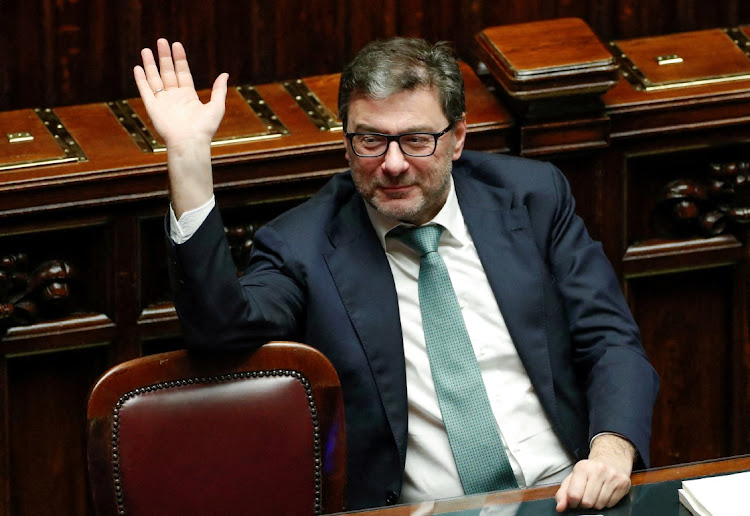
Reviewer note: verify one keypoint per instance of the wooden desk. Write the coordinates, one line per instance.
(650, 488)
(648, 169)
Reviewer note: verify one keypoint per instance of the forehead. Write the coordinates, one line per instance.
(417, 109)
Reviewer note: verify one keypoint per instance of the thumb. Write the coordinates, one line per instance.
(219, 89)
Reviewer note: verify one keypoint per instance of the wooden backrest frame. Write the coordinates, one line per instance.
(174, 369)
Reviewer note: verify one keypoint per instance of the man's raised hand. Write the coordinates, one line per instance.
(186, 124)
(170, 98)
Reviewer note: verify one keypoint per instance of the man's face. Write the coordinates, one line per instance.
(406, 188)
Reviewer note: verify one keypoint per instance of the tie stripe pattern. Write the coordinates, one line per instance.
(472, 430)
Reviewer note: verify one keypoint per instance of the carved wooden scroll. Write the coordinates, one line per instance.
(26, 296)
(708, 206)
(240, 238)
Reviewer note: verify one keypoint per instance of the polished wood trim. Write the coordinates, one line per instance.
(697, 469)
(660, 256)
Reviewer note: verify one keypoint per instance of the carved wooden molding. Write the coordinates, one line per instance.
(240, 238)
(25, 296)
(708, 206)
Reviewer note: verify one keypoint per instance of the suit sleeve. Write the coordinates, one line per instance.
(619, 382)
(217, 309)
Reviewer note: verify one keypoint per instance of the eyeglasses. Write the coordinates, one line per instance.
(372, 145)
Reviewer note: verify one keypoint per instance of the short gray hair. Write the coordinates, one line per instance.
(384, 68)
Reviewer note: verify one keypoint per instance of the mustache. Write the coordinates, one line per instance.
(391, 182)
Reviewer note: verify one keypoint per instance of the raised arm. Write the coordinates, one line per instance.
(185, 124)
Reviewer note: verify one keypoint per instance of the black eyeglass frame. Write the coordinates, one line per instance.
(397, 138)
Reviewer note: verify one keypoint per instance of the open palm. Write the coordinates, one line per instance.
(170, 98)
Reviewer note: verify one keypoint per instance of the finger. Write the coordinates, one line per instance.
(577, 487)
(617, 491)
(144, 88)
(592, 495)
(562, 495)
(184, 77)
(168, 77)
(607, 497)
(151, 70)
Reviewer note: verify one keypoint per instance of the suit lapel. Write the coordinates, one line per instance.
(360, 269)
(503, 238)
(505, 244)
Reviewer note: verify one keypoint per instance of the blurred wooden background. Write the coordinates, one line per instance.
(61, 52)
(689, 294)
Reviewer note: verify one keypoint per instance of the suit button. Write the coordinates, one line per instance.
(391, 498)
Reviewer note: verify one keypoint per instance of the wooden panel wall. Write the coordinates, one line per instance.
(691, 304)
(61, 52)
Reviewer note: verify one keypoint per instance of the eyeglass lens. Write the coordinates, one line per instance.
(414, 144)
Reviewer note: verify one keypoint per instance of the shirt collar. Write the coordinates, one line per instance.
(449, 217)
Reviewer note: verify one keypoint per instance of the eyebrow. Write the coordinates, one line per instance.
(364, 128)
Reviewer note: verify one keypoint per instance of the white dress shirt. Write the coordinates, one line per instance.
(181, 230)
(534, 450)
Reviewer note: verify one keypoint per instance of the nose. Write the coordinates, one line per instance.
(394, 161)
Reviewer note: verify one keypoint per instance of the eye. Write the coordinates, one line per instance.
(417, 139)
(369, 140)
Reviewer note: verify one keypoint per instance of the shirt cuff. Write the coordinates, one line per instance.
(591, 442)
(181, 230)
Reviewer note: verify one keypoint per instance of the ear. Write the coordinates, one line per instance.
(459, 133)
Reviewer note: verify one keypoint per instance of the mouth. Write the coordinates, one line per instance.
(395, 190)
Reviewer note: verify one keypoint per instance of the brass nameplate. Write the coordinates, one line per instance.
(668, 60)
(20, 137)
(685, 62)
(71, 151)
(312, 106)
(148, 142)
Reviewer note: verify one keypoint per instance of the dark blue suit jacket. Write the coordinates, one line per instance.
(318, 274)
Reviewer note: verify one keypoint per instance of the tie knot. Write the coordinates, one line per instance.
(423, 239)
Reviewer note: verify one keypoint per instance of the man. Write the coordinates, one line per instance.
(561, 367)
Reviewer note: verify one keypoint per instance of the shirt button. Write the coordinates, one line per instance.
(390, 498)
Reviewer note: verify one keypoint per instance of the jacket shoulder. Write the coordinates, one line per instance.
(503, 170)
(525, 179)
(314, 213)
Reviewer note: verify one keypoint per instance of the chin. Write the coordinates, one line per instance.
(402, 213)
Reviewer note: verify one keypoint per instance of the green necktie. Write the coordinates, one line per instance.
(472, 430)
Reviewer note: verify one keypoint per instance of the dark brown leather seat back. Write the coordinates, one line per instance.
(220, 433)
